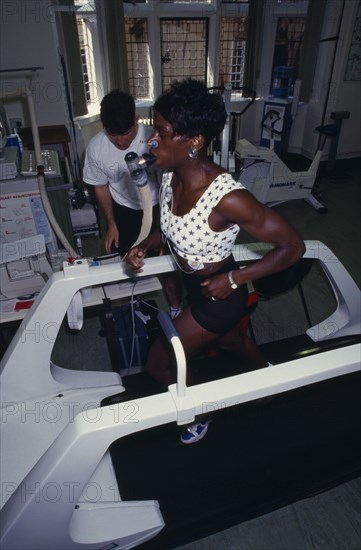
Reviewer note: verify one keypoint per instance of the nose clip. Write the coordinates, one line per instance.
(153, 144)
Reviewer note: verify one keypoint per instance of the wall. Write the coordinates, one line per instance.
(343, 95)
(26, 40)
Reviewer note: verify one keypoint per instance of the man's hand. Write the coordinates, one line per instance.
(112, 236)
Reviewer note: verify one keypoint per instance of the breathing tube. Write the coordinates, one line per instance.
(137, 168)
(41, 180)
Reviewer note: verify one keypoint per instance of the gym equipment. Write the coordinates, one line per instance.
(333, 131)
(24, 267)
(70, 437)
(282, 79)
(222, 149)
(268, 178)
(281, 124)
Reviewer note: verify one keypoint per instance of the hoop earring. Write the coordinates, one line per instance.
(192, 153)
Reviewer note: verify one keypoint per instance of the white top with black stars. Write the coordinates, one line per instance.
(190, 235)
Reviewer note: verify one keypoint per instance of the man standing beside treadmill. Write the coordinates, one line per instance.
(106, 170)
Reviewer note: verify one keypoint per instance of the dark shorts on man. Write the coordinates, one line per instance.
(129, 224)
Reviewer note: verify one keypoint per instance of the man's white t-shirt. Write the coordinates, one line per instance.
(104, 164)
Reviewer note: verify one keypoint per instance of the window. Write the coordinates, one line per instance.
(288, 48)
(87, 58)
(164, 40)
(90, 52)
(136, 37)
(185, 1)
(183, 45)
(232, 50)
(184, 49)
(167, 43)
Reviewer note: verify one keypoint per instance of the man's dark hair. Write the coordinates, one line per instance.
(191, 109)
(117, 112)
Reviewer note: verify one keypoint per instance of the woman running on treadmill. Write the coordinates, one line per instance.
(202, 209)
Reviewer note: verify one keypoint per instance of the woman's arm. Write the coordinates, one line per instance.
(265, 225)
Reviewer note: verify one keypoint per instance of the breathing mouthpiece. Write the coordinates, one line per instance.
(134, 162)
(153, 144)
(149, 158)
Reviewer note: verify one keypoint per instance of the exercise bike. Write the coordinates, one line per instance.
(268, 178)
(222, 149)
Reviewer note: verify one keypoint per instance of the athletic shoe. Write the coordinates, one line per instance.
(194, 432)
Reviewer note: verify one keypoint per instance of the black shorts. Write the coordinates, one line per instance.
(129, 224)
(218, 316)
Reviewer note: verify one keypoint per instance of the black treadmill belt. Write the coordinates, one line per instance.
(256, 458)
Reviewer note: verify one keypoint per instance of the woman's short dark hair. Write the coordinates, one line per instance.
(192, 110)
(117, 112)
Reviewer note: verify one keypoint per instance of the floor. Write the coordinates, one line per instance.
(327, 521)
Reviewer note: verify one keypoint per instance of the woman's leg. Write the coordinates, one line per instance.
(159, 365)
(236, 341)
(194, 338)
(173, 290)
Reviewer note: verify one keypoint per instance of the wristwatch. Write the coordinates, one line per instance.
(231, 281)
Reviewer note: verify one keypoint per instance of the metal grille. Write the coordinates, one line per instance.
(185, 1)
(87, 57)
(183, 49)
(232, 50)
(136, 36)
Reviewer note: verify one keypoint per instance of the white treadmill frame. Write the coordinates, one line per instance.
(58, 485)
